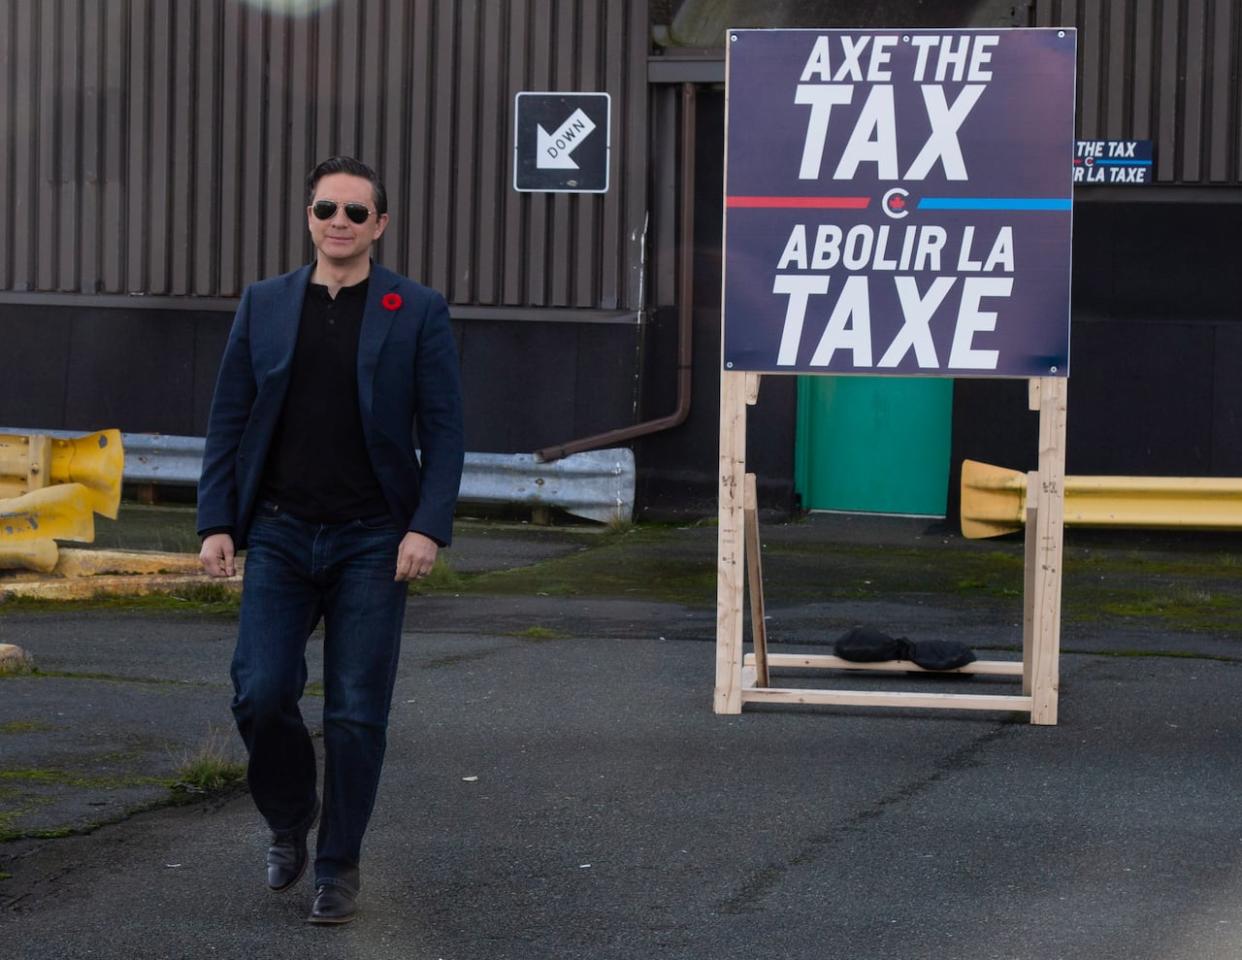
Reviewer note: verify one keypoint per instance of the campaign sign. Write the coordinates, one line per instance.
(1126, 162)
(899, 202)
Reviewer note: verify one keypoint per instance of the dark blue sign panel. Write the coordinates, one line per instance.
(1112, 162)
(899, 202)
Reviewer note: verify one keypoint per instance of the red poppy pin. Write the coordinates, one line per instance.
(391, 301)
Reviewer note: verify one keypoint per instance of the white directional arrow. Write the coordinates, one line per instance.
(554, 149)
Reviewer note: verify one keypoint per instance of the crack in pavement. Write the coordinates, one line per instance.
(23, 857)
(763, 882)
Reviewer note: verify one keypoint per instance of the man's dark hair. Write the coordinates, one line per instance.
(353, 167)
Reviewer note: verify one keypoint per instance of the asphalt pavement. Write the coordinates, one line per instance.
(557, 785)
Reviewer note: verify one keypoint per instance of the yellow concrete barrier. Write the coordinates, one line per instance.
(62, 512)
(71, 563)
(92, 563)
(83, 574)
(86, 588)
(96, 461)
(994, 501)
(41, 555)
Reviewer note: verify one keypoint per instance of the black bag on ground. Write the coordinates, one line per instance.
(869, 645)
(941, 654)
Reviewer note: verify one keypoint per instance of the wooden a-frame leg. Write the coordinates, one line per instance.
(754, 581)
(1049, 496)
(730, 543)
(1028, 584)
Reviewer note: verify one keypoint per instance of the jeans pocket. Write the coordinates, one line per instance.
(382, 522)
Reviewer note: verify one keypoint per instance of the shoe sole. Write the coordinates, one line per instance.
(330, 921)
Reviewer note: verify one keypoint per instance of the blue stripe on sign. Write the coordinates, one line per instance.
(994, 203)
(1123, 163)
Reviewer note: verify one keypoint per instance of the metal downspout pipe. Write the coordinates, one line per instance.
(685, 311)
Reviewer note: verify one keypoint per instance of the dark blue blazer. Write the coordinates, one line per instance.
(407, 377)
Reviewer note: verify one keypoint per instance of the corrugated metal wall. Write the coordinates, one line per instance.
(1169, 71)
(159, 147)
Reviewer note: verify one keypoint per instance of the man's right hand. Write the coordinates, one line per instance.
(217, 555)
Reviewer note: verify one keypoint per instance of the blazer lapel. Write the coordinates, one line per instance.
(376, 322)
(286, 318)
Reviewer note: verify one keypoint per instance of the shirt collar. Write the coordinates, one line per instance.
(359, 289)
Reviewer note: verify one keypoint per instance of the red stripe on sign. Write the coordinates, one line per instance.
(847, 203)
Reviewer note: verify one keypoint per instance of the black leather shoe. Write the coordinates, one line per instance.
(333, 904)
(287, 857)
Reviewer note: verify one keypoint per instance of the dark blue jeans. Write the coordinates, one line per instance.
(296, 573)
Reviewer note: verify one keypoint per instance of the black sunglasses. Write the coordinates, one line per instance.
(326, 210)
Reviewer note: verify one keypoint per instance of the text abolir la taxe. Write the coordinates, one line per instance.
(974, 264)
(812, 250)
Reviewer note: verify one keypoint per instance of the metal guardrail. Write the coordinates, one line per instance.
(596, 485)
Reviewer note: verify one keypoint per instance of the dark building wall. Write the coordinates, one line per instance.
(679, 468)
(152, 157)
(532, 384)
(1161, 70)
(160, 148)
(1156, 286)
(526, 384)
(155, 149)
(1157, 290)
(82, 368)
(1155, 338)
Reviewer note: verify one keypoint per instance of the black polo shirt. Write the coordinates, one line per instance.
(318, 468)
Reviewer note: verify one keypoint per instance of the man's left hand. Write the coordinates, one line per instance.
(415, 557)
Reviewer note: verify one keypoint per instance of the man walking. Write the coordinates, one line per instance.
(310, 465)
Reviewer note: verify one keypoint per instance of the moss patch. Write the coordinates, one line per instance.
(656, 562)
(1189, 592)
(52, 775)
(25, 726)
(442, 579)
(210, 769)
(55, 833)
(642, 563)
(9, 832)
(1159, 654)
(452, 660)
(1175, 607)
(196, 599)
(539, 633)
(1178, 589)
(38, 674)
(7, 818)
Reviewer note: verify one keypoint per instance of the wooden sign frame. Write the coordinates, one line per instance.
(745, 679)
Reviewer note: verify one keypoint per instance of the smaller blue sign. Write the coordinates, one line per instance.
(1112, 162)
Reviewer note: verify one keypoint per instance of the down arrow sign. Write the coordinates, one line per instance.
(554, 149)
